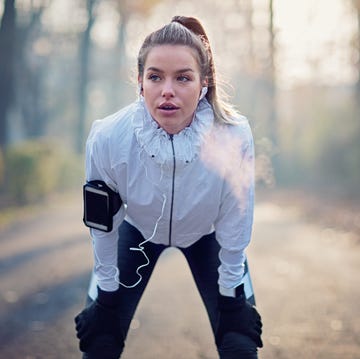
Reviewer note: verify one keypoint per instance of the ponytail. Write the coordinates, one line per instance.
(196, 27)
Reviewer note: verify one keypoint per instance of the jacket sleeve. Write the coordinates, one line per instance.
(234, 224)
(104, 243)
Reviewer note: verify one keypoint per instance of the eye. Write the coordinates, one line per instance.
(154, 77)
(183, 78)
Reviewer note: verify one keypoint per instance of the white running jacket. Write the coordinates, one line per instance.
(175, 188)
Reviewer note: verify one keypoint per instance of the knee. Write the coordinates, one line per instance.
(235, 345)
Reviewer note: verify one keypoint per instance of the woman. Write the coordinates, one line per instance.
(182, 162)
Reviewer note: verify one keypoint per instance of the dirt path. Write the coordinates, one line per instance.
(305, 277)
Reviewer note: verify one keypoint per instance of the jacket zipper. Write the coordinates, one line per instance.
(172, 189)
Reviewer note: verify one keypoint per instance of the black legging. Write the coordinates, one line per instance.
(203, 261)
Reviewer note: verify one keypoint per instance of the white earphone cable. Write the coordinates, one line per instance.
(139, 248)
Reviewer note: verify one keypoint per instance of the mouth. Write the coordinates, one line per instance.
(168, 107)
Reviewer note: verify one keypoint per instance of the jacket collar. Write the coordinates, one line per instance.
(156, 142)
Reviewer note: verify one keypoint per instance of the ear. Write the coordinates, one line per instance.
(140, 86)
(203, 93)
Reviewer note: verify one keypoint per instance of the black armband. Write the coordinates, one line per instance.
(101, 203)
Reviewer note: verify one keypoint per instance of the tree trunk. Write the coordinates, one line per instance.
(7, 49)
(30, 76)
(85, 48)
(272, 79)
(358, 48)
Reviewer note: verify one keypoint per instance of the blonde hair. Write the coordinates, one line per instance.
(188, 31)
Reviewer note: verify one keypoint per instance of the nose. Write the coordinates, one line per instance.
(168, 90)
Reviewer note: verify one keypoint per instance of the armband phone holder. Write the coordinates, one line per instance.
(100, 205)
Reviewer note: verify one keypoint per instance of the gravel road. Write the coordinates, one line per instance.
(305, 278)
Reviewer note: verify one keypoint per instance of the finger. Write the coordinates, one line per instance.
(256, 313)
(255, 335)
(83, 332)
(83, 345)
(78, 318)
(258, 331)
(79, 327)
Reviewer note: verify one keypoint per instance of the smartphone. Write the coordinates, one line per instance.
(97, 208)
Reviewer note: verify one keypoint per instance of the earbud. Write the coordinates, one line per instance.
(203, 93)
(140, 88)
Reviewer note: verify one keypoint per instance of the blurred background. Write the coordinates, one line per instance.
(292, 67)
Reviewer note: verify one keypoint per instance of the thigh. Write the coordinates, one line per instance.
(203, 260)
(135, 268)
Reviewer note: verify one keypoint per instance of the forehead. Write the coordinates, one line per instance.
(172, 57)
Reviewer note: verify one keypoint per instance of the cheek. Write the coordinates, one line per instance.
(149, 95)
(149, 101)
(150, 105)
(149, 87)
(193, 98)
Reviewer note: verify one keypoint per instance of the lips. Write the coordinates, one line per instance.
(168, 106)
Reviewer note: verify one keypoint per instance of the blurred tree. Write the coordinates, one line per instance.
(21, 71)
(7, 51)
(126, 9)
(357, 46)
(272, 78)
(30, 72)
(356, 155)
(85, 49)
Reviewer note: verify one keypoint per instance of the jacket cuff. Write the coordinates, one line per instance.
(227, 292)
(237, 292)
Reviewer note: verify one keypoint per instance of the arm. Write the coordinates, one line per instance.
(104, 244)
(234, 224)
(233, 231)
(99, 319)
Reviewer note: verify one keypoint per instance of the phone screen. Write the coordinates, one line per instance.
(96, 208)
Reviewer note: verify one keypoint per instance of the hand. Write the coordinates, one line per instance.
(104, 347)
(238, 315)
(98, 320)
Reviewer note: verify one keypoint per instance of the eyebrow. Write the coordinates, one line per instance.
(152, 68)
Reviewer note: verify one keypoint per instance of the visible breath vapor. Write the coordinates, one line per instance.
(232, 159)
